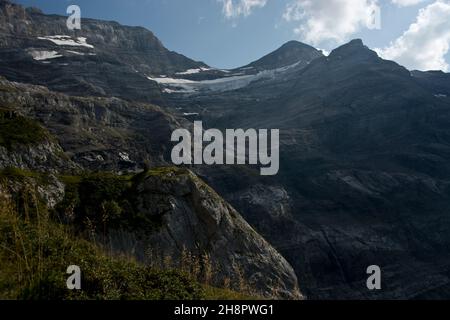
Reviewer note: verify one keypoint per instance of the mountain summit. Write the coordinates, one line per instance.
(288, 54)
(355, 49)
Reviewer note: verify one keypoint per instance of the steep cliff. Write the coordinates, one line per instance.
(195, 218)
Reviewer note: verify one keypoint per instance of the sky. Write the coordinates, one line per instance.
(233, 33)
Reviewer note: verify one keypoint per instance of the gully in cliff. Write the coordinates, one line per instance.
(231, 149)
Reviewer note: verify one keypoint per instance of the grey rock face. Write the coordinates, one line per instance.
(47, 156)
(273, 199)
(195, 218)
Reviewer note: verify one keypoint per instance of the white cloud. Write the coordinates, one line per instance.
(237, 8)
(406, 3)
(335, 20)
(424, 45)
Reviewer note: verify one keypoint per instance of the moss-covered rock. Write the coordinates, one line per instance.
(101, 202)
(18, 130)
(26, 144)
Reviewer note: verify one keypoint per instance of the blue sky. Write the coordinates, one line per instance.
(232, 33)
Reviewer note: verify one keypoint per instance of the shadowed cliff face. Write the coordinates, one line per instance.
(197, 220)
(364, 176)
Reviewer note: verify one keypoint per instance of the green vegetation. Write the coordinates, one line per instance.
(100, 202)
(35, 252)
(16, 130)
(20, 175)
(36, 247)
(166, 171)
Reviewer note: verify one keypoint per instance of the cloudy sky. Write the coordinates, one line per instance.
(231, 33)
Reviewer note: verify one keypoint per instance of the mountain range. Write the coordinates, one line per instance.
(364, 176)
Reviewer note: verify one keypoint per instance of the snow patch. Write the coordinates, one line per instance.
(177, 90)
(76, 53)
(44, 55)
(82, 54)
(124, 156)
(68, 41)
(188, 114)
(193, 71)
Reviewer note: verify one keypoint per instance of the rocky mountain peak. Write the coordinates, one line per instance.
(353, 49)
(288, 54)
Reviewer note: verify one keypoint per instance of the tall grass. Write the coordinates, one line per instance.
(35, 252)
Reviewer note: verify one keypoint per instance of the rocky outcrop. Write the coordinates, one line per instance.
(32, 189)
(196, 219)
(46, 156)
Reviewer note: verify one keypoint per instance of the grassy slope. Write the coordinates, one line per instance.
(35, 251)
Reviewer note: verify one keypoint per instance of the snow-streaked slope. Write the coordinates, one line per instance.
(233, 82)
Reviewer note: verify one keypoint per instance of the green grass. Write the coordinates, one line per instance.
(21, 175)
(164, 171)
(18, 130)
